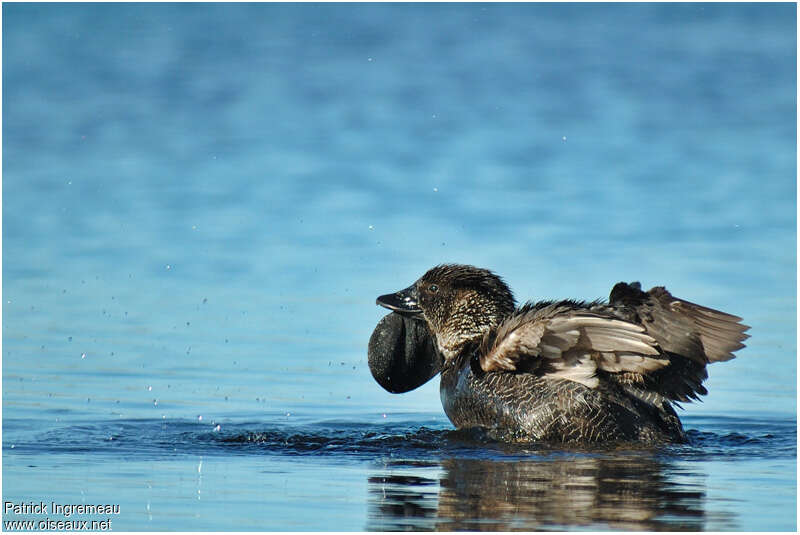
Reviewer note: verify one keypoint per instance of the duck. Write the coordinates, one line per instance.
(566, 371)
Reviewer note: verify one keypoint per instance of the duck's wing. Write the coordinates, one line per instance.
(690, 334)
(570, 341)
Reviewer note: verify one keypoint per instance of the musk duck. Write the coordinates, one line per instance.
(551, 371)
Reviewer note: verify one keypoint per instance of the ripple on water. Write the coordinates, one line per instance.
(763, 439)
(425, 476)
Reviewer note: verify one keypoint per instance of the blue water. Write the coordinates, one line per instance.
(201, 203)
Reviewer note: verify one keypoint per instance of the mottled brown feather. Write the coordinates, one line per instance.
(690, 335)
(574, 344)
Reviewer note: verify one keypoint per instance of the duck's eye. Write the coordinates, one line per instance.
(433, 288)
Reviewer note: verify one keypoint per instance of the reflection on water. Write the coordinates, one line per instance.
(429, 477)
(631, 493)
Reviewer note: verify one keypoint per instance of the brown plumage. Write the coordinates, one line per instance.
(566, 370)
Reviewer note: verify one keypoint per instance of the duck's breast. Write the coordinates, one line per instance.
(506, 404)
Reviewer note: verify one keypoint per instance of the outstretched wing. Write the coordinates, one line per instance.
(567, 340)
(691, 335)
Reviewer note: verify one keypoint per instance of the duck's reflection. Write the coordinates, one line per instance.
(630, 493)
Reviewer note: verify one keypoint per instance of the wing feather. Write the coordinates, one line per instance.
(571, 344)
(651, 342)
(719, 333)
(690, 335)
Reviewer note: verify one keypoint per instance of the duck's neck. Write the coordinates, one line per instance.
(463, 329)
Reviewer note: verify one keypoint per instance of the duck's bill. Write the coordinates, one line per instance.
(404, 301)
(402, 353)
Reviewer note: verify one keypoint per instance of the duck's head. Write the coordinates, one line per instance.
(460, 304)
